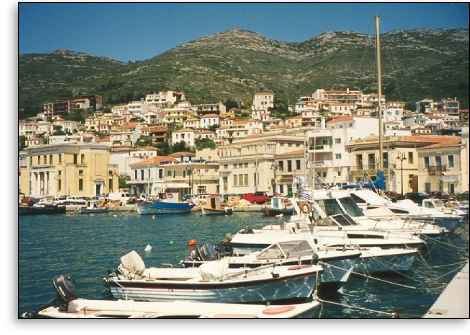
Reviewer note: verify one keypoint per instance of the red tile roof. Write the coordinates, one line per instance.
(153, 161)
(341, 118)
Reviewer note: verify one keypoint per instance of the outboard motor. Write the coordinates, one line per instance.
(65, 288)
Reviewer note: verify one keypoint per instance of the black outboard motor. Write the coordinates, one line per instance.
(65, 288)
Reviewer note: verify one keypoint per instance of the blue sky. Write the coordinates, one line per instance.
(140, 31)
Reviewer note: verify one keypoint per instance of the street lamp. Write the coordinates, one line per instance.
(401, 157)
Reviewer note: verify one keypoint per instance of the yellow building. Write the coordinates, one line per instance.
(401, 162)
(82, 170)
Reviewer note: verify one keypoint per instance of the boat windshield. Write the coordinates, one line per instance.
(351, 207)
(438, 203)
(296, 248)
(330, 206)
(271, 252)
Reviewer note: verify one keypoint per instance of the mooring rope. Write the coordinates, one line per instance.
(370, 277)
(393, 315)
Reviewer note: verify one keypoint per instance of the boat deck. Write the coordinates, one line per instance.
(453, 301)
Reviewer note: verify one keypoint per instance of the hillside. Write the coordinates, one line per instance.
(236, 63)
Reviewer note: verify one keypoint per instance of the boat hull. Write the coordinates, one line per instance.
(160, 207)
(386, 263)
(41, 210)
(298, 287)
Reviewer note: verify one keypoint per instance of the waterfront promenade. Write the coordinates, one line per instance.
(453, 302)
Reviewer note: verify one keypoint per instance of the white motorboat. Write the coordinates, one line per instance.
(337, 263)
(72, 307)
(340, 205)
(379, 207)
(212, 282)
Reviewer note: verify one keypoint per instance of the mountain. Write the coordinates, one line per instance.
(236, 63)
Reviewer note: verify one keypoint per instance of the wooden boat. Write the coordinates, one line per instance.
(212, 282)
(163, 207)
(68, 305)
(213, 205)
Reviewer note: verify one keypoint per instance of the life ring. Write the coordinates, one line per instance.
(305, 208)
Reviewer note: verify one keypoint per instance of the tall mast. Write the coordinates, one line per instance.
(379, 80)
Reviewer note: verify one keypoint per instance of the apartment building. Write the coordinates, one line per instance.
(247, 165)
(165, 98)
(263, 102)
(327, 150)
(69, 169)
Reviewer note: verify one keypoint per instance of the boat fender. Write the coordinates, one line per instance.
(275, 275)
(273, 310)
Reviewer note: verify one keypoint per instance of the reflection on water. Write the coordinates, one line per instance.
(87, 246)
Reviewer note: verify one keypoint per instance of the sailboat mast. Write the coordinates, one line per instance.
(379, 82)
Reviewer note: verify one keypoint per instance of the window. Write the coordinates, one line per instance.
(160, 173)
(80, 172)
(337, 140)
(450, 160)
(141, 174)
(75, 158)
(59, 185)
(438, 161)
(385, 160)
(281, 165)
(50, 159)
(359, 162)
(426, 162)
(235, 180)
(410, 158)
(338, 156)
(31, 160)
(80, 184)
(339, 173)
(289, 166)
(297, 164)
(245, 180)
(135, 174)
(371, 161)
(110, 184)
(184, 173)
(60, 158)
(82, 159)
(451, 188)
(281, 188)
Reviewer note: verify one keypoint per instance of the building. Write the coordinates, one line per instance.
(209, 120)
(402, 160)
(147, 175)
(186, 135)
(263, 102)
(464, 160)
(82, 170)
(247, 165)
(165, 98)
(217, 108)
(329, 161)
(339, 95)
(440, 167)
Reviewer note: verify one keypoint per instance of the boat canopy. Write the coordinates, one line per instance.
(370, 197)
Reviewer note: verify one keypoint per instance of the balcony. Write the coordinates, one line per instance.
(437, 170)
(320, 148)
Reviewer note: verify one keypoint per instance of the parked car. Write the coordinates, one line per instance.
(256, 198)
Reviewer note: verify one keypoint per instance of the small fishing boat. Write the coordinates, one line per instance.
(163, 207)
(92, 208)
(213, 205)
(279, 205)
(68, 305)
(212, 282)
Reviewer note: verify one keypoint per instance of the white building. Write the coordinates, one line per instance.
(328, 158)
(186, 135)
(263, 102)
(209, 120)
(165, 98)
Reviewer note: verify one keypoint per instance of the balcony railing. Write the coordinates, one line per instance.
(436, 170)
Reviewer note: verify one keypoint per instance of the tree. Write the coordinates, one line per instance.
(75, 115)
(123, 182)
(144, 141)
(230, 103)
(163, 148)
(280, 109)
(180, 147)
(205, 143)
(58, 131)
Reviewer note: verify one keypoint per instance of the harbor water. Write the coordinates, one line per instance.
(87, 246)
